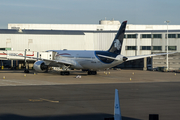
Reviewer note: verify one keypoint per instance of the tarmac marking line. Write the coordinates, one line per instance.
(35, 100)
(49, 100)
(42, 99)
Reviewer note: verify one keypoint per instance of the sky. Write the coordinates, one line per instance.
(149, 12)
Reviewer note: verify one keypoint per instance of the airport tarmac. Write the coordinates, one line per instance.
(18, 78)
(50, 96)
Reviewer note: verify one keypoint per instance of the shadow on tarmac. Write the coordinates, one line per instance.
(66, 117)
(16, 71)
(49, 72)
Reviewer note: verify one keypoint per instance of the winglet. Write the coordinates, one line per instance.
(117, 110)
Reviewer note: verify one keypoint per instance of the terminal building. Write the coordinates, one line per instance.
(138, 40)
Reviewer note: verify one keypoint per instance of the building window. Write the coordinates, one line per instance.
(146, 36)
(178, 35)
(157, 47)
(5, 48)
(2, 48)
(131, 47)
(131, 35)
(99, 29)
(125, 35)
(157, 35)
(171, 48)
(171, 35)
(145, 47)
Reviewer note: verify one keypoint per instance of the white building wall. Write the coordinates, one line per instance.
(89, 41)
(43, 42)
(103, 41)
(129, 42)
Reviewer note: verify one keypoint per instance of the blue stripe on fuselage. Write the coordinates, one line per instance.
(105, 53)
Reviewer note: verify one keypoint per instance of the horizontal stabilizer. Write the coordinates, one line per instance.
(107, 57)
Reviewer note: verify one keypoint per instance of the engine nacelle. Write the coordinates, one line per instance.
(40, 66)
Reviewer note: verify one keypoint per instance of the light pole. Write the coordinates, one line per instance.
(167, 42)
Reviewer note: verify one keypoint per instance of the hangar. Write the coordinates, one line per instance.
(138, 40)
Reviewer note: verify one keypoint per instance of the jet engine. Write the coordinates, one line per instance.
(40, 66)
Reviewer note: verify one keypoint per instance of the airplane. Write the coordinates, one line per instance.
(90, 60)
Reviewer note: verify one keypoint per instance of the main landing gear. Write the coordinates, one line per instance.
(65, 70)
(65, 73)
(92, 72)
(68, 73)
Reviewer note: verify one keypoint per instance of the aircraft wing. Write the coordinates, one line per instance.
(144, 56)
(57, 61)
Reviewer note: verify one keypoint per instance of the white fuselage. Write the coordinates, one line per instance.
(85, 59)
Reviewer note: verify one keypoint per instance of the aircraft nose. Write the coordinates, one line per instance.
(125, 58)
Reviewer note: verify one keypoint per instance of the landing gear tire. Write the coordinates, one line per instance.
(26, 71)
(65, 73)
(62, 73)
(92, 72)
(47, 70)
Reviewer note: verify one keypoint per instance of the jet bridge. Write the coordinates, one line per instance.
(21, 56)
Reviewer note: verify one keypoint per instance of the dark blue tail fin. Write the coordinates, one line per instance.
(118, 40)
